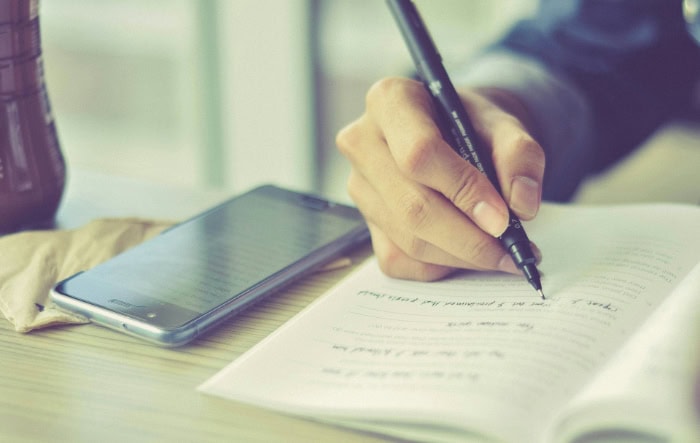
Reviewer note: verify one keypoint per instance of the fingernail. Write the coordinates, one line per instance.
(506, 265)
(490, 219)
(525, 197)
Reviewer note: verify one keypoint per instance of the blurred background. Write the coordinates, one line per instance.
(232, 93)
(228, 94)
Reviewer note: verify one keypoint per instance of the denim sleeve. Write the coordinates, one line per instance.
(599, 77)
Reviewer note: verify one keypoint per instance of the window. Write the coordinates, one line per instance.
(232, 93)
(189, 92)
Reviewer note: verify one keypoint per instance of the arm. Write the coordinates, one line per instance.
(576, 88)
(597, 77)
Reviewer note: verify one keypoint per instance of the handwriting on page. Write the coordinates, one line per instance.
(464, 331)
(478, 349)
(498, 304)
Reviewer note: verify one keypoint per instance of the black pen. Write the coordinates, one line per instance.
(455, 119)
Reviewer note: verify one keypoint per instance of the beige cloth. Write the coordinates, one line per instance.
(32, 262)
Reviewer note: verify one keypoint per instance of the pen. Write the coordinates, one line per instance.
(454, 118)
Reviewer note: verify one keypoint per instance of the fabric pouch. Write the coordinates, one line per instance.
(32, 262)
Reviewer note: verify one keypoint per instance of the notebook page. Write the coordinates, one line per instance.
(654, 380)
(480, 349)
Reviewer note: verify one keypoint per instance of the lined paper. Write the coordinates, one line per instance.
(479, 349)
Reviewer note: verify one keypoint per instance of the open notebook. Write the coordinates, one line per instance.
(613, 354)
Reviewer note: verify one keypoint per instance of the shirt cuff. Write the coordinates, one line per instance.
(558, 109)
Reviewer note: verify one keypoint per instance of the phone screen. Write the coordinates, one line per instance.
(214, 258)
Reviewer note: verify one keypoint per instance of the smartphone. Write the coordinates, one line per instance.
(195, 275)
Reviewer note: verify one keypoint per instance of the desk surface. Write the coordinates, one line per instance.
(87, 383)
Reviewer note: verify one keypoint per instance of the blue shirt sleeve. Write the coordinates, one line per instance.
(631, 64)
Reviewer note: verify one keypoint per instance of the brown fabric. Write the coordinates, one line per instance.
(32, 262)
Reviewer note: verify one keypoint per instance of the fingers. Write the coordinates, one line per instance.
(430, 211)
(421, 154)
(417, 221)
(518, 159)
(397, 264)
(451, 241)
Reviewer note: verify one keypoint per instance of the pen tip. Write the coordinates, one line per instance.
(541, 293)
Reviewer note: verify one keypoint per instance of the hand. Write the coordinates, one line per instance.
(428, 210)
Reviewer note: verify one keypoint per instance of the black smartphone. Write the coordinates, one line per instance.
(193, 276)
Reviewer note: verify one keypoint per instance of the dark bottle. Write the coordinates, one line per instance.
(32, 169)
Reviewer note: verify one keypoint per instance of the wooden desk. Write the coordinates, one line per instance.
(87, 383)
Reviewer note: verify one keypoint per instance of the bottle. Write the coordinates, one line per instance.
(32, 168)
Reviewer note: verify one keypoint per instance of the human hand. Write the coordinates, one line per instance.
(428, 210)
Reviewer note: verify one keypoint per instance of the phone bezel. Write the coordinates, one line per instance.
(141, 327)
